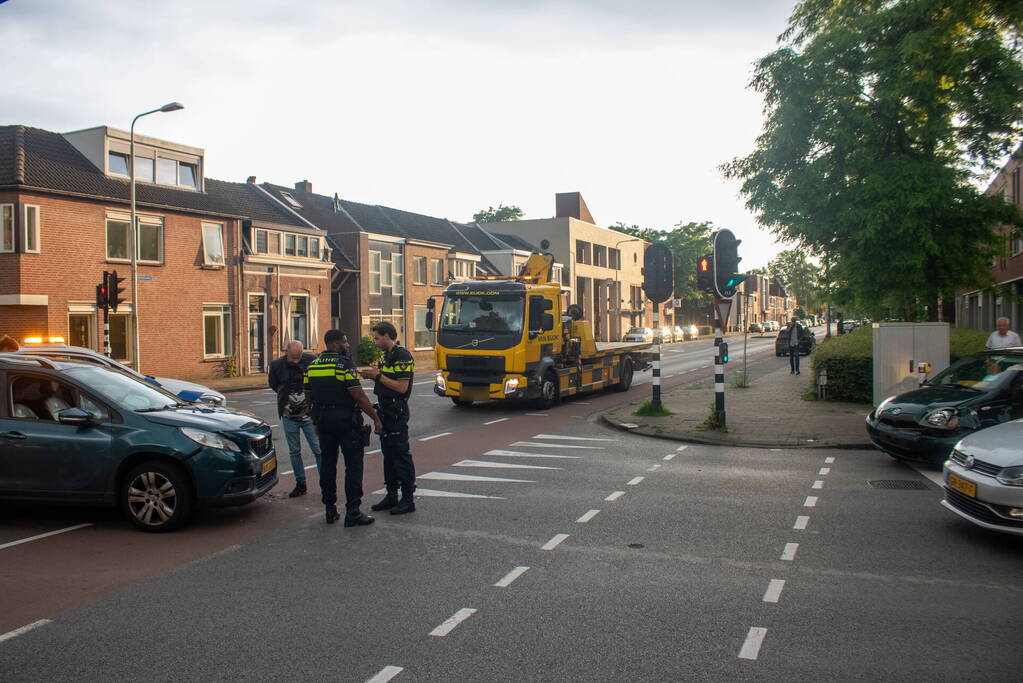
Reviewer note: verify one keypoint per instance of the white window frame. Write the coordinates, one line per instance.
(308, 317)
(91, 315)
(387, 274)
(8, 210)
(373, 272)
(150, 222)
(129, 344)
(398, 274)
(206, 260)
(127, 159)
(416, 280)
(439, 281)
(255, 241)
(314, 247)
(219, 312)
(26, 226)
(416, 310)
(284, 245)
(127, 238)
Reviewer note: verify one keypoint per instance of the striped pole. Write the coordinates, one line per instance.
(106, 332)
(657, 357)
(719, 368)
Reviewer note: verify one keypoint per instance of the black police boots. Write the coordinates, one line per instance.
(354, 517)
(405, 506)
(388, 502)
(299, 490)
(332, 514)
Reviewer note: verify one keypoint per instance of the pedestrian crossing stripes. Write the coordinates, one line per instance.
(432, 493)
(520, 454)
(534, 444)
(501, 465)
(570, 438)
(445, 476)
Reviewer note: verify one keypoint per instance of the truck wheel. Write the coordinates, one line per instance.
(156, 496)
(460, 403)
(549, 391)
(625, 381)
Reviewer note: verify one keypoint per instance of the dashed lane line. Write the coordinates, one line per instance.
(681, 448)
(653, 468)
(511, 576)
(615, 496)
(824, 471)
(801, 522)
(828, 460)
(11, 544)
(24, 629)
(386, 674)
(435, 436)
(494, 422)
(754, 639)
(789, 553)
(773, 592)
(554, 542)
(811, 501)
(453, 621)
(634, 481)
(669, 456)
(537, 414)
(818, 484)
(588, 516)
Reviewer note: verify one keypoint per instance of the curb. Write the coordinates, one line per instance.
(710, 441)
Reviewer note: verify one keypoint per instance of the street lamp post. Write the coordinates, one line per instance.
(172, 106)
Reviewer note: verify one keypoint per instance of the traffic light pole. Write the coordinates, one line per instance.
(719, 367)
(657, 356)
(106, 332)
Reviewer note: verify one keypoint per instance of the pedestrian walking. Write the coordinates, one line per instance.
(287, 379)
(338, 402)
(796, 333)
(392, 385)
(1003, 337)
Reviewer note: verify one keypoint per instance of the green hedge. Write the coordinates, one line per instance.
(850, 363)
(706, 331)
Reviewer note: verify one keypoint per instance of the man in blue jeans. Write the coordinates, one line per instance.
(796, 333)
(286, 379)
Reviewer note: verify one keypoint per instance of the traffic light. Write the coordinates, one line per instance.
(705, 274)
(723, 351)
(101, 293)
(658, 273)
(726, 264)
(114, 298)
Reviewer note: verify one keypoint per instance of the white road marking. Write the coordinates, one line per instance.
(386, 674)
(511, 576)
(307, 467)
(375, 450)
(494, 422)
(444, 476)
(789, 553)
(580, 403)
(570, 438)
(754, 639)
(616, 495)
(24, 629)
(428, 381)
(520, 454)
(829, 460)
(435, 436)
(11, 544)
(811, 501)
(653, 468)
(534, 444)
(432, 493)
(554, 542)
(669, 456)
(501, 465)
(634, 481)
(773, 591)
(776, 450)
(451, 622)
(824, 471)
(538, 414)
(801, 522)
(818, 484)
(681, 448)
(587, 516)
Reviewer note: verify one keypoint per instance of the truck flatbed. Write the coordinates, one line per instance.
(619, 346)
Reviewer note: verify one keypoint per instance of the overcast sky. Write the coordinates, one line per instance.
(441, 107)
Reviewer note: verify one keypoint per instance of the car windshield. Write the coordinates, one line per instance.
(637, 330)
(122, 390)
(499, 314)
(979, 371)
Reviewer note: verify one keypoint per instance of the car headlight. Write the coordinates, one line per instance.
(511, 384)
(941, 418)
(1011, 476)
(210, 439)
(213, 400)
(441, 382)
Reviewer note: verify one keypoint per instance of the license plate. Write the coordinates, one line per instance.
(962, 485)
(269, 465)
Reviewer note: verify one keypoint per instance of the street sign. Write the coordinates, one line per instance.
(722, 308)
(658, 273)
(145, 277)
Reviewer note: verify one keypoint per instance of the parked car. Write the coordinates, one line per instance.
(975, 392)
(984, 478)
(186, 391)
(806, 343)
(756, 328)
(80, 433)
(639, 334)
(690, 332)
(667, 335)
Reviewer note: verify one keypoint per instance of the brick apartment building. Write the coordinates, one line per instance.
(978, 309)
(204, 294)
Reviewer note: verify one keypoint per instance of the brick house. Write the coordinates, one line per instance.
(64, 219)
(979, 309)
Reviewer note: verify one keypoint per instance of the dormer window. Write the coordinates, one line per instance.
(118, 163)
(292, 202)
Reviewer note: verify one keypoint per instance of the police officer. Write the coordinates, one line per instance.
(392, 386)
(337, 397)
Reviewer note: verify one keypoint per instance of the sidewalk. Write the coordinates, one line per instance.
(226, 385)
(770, 413)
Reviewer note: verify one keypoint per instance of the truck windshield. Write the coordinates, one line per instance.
(476, 315)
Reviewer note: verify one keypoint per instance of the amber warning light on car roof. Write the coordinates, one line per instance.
(44, 340)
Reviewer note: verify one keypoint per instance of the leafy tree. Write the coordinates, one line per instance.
(688, 242)
(499, 215)
(878, 114)
(800, 276)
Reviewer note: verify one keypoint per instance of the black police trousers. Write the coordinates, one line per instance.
(337, 430)
(399, 470)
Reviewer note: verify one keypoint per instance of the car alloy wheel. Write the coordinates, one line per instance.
(152, 498)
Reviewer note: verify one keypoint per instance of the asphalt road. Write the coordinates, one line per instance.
(614, 557)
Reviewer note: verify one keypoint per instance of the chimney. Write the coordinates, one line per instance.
(571, 205)
(251, 180)
(304, 186)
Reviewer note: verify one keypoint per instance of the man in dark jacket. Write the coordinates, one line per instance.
(286, 379)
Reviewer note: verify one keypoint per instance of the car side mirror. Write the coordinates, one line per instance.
(76, 417)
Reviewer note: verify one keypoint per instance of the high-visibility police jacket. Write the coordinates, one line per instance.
(328, 380)
(399, 365)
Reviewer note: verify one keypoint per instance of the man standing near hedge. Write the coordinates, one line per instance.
(795, 334)
(286, 379)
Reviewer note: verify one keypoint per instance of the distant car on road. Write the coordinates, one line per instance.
(806, 343)
(667, 335)
(975, 392)
(690, 332)
(756, 328)
(984, 478)
(78, 433)
(186, 391)
(639, 334)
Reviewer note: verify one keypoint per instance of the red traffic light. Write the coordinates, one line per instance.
(704, 265)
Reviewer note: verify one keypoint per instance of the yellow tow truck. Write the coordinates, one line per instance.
(497, 339)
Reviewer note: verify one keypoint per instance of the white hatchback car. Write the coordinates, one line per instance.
(984, 478)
